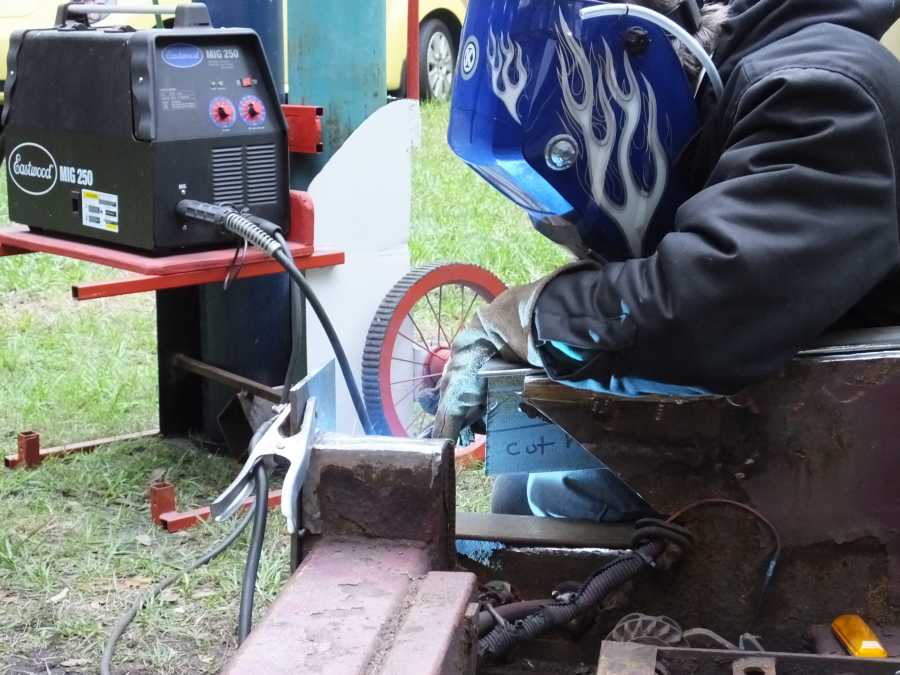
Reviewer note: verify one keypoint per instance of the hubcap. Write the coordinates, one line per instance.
(439, 62)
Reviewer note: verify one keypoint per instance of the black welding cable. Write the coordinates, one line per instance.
(125, 620)
(267, 236)
(254, 552)
(497, 643)
(283, 257)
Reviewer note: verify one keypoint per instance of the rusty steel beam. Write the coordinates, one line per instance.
(371, 606)
(383, 488)
(229, 379)
(328, 618)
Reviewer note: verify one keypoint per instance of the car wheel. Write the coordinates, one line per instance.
(437, 59)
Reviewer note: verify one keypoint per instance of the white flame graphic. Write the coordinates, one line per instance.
(503, 54)
(639, 204)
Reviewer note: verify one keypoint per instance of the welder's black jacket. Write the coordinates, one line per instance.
(793, 229)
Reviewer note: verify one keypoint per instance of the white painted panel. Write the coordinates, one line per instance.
(362, 200)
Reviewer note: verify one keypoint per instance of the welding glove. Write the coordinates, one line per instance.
(501, 328)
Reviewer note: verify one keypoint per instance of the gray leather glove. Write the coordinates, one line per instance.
(502, 327)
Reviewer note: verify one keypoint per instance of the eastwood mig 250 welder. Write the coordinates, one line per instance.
(107, 129)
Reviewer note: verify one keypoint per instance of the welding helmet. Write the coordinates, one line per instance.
(576, 110)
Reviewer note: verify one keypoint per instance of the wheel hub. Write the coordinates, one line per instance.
(436, 361)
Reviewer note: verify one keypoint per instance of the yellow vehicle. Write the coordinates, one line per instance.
(440, 25)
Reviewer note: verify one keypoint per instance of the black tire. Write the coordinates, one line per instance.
(438, 56)
(371, 373)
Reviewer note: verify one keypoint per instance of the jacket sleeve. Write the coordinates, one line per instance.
(797, 223)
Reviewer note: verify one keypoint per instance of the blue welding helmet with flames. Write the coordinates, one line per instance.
(576, 110)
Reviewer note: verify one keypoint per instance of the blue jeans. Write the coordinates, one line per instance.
(597, 495)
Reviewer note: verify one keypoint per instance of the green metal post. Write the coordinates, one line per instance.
(336, 59)
(336, 55)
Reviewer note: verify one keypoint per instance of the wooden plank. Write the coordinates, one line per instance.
(545, 532)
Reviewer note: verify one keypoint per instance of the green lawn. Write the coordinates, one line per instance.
(76, 545)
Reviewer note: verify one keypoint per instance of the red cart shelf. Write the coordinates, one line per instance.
(153, 273)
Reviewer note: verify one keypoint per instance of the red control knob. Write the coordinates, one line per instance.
(253, 111)
(221, 112)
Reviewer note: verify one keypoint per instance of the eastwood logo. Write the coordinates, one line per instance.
(32, 169)
(182, 55)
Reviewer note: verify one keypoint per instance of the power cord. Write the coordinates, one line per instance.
(254, 552)
(267, 237)
(125, 620)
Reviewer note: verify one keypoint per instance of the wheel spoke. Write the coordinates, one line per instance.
(462, 323)
(415, 363)
(415, 424)
(435, 314)
(414, 343)
(418, 330)
(418, 378)
(441, 313)
(412, 390)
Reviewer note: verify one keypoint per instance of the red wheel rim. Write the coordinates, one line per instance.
(479, 283)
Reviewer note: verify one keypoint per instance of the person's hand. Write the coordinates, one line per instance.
(504, 328)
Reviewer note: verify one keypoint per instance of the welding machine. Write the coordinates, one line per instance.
(107, 129)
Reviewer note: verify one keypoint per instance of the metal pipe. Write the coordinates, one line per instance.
(229, 379)
(412, 50)
(120, 9)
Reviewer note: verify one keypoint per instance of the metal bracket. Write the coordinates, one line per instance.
(754, 666)
(627, 658)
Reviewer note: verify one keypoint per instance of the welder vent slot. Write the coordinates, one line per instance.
(245, 175)
(262, 179)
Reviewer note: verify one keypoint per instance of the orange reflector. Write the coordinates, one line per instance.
(857, 637)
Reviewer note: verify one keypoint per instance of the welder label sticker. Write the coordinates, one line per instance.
(100, 210)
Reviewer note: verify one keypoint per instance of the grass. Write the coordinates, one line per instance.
(457, 217)
(76, 543)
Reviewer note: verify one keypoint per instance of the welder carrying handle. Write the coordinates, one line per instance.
(186, 15)
(273, 443)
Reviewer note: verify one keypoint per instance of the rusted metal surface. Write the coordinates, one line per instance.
(708, 662)
(32, 444)
(231, 380)
(754, 665)
(175, 521)
(626, 658)
(436, 637)
(391, 488)
(336, 612)
(533, 531)
(162, 500)
(685, 661)
(813, 449)
(29, 449)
